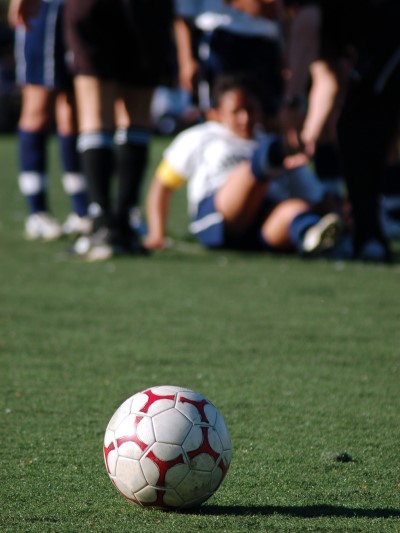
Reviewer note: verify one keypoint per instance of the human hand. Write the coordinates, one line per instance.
(187, 75)
(290, 122)
(154, 242)
(295, 160)
(20, 12)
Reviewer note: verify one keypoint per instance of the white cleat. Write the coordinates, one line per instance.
(42, 225)
(76, 225)
(323, 235)
(94, 247)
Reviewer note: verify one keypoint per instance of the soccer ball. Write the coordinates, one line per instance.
(167, 447)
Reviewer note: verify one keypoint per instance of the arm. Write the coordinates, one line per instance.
(321, 102)
(188, 66)
(303, 49)
(21, 11)
(157, 208)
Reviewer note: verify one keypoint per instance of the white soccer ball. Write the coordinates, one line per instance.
(167, 447)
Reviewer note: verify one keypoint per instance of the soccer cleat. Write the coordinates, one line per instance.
(323, 235)
(42, 225)
(76, 225)
(94, 247)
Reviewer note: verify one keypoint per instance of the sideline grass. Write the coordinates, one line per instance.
(301, 357)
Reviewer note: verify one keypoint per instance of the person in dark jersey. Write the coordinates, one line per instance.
(120, 51)
(368, 124)
(367, 32)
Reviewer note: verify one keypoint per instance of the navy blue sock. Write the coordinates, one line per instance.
(73, 179)
(299, 226)
(267, 157)
(32, 176)
(69, 154)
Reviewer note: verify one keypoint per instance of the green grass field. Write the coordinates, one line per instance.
(301, 357)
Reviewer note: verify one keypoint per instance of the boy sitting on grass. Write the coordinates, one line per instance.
(228, 170)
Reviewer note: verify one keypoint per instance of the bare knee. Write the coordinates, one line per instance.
(37, 108)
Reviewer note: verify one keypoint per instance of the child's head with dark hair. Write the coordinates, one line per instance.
(229, 82)
(235, 105)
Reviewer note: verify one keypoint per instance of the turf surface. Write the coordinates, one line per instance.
(302, 358)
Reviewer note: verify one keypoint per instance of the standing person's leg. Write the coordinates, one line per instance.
(132, 141)
(37, 73)
(33, 127)
(95, 143)
(95, 100)
(73, 180)
(146, 46)
(366, 128)
(92, 30)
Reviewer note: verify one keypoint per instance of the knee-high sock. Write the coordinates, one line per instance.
(97, 157)
(73, 180)
(32, 177)
(132, 147)
(267, 157)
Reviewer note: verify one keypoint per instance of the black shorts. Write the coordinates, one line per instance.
(128, 41)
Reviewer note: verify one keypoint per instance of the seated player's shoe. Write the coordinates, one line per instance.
(323, 235)
(94, 247)
(42, 225)
(76, 225)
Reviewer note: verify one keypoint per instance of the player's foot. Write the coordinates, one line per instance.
(42, 225)
(127, 240)
(94, 247)
(323, 235)
(75, 225)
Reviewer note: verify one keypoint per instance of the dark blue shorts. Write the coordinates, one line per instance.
(208, 225)
(209, 228)
(41, 52)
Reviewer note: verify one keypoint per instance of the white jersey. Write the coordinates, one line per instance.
(203, 156)
(209, 15)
